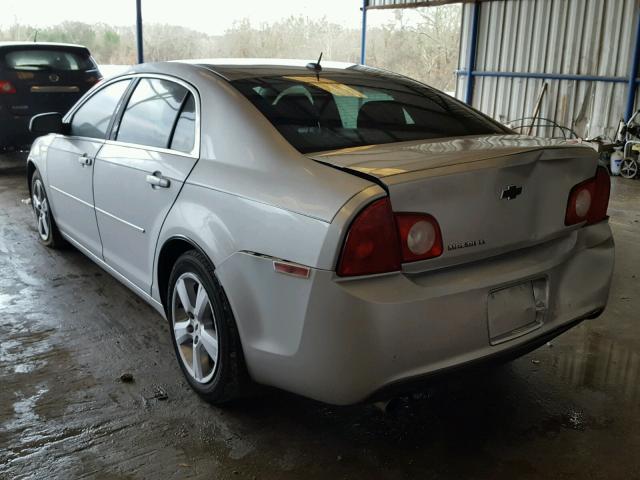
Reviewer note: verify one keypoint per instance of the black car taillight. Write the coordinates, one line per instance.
(6, 87)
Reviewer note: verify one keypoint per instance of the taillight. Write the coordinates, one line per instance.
(598, 211)
(588, 201)
(420, 236)
(372, 244)
(378, 240)
(7, 87)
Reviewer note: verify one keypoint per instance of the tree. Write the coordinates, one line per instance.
(426, 49)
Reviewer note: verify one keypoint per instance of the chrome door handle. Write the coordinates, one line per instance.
(85, 160)
(157, 180)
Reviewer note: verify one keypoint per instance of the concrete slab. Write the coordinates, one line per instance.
(68, 331)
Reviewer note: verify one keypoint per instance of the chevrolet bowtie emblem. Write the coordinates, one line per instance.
(510, 192)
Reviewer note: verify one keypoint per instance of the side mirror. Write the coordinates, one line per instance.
(48, 123)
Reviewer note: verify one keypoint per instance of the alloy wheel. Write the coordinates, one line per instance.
(194, 326)
(41, 210)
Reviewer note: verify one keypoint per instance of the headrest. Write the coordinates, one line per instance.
(384, 112)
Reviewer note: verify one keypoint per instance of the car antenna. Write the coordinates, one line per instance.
(35, 37)
(315, 66)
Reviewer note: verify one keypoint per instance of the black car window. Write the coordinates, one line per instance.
(93, 117)
(335, 110)
(184, 134)
(48, 59)
(151, 113)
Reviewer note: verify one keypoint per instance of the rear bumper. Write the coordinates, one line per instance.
(342, 341)
(411, 384)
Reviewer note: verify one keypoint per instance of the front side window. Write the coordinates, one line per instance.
(152, 113)
(352, 108)
(93, 117)
(48, 59)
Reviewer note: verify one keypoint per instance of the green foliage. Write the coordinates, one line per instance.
(426, 49)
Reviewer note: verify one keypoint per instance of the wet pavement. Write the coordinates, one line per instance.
(68, 331)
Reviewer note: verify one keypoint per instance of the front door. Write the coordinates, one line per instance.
(139, 175)
(70, 166)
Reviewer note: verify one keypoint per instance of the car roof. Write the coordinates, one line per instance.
(240, 68)
(42, 44)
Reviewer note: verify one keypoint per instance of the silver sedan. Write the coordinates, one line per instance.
(333, 230)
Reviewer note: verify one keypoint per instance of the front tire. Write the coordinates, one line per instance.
(203, 330)
(48, 232)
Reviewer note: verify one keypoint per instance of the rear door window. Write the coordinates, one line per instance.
(46, 59)
(152, 112)
(93, 118)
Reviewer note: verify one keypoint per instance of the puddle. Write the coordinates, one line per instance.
(23, 351)
(25, 410)
(602, 364)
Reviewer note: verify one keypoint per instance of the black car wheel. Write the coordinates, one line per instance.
(48, 232)
(204, 333)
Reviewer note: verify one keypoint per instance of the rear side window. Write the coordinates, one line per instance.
(93, 117)
(184, 135)
(46, 59)
(151, 113)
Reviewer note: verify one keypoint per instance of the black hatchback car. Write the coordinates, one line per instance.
(37, 78)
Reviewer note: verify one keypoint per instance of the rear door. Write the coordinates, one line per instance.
(70, 164)
(139, 173)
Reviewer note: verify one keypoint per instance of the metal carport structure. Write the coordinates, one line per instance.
(595, 61)
(569, 80)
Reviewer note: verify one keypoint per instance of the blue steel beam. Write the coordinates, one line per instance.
(473, 46)
(546, 76)
(633, 73)
(363, 41)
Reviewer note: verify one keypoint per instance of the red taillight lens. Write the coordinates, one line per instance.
(6, 87)
(420, 236)
(379, 240)
(372, 244)
(580, 200)
(93, 80)
(588, 201)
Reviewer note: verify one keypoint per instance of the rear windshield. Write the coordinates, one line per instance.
(350, 109)
(41, 59)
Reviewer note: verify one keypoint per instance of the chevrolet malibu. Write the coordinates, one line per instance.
(334, 230)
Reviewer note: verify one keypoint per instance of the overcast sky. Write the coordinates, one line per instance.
(210, 16)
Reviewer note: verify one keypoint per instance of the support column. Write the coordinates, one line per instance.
(633, 74)
(363, 44)
(139, 31)
(471, 55)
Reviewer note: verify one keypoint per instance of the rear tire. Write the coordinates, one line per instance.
(48, 233)
(203, 330)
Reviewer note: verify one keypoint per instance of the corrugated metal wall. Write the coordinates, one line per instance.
(586, 37)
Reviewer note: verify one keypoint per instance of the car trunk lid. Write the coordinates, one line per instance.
(46, 91)
(490, 194)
